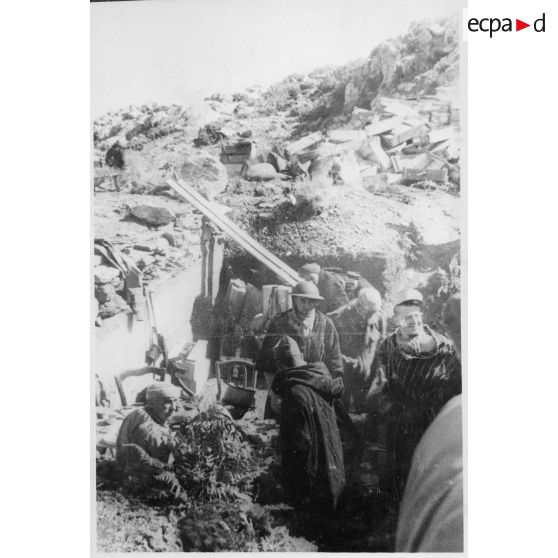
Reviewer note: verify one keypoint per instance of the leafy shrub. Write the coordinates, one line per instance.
(411, 242)
(221, 526)
(213, 461)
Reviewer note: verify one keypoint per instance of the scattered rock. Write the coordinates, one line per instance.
(143, 247)
(171, 238)
(104, 293)
(261, 171)
(113, 306)
(106, 274)
(152, 216)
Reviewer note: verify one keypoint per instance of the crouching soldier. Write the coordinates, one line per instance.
(311, 450)
(144, 443)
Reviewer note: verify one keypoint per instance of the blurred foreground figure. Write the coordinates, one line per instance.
(431, 516)
(143, 446)
(311, 450)
(417, 373)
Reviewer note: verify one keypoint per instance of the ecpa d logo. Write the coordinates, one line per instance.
(494, 24)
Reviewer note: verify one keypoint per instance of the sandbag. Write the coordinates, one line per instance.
(261, 171)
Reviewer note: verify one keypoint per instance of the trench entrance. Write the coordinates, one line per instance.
(234, 300)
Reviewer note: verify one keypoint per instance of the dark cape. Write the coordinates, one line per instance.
(311, 451)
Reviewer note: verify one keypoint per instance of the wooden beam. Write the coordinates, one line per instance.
(281, 269)
(436, 175)
(382, 126)
(303, 143)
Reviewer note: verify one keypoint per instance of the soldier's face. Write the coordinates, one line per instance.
(304, 306)
(409, 320)
(164, 408)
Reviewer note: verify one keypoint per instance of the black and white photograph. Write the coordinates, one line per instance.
(277, 276)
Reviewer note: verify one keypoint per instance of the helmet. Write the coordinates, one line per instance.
(408, 295)
(306, 289)
(310, 268)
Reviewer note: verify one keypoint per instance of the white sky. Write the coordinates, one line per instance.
(181, 50)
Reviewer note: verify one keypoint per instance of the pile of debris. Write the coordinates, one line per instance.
(413, 142)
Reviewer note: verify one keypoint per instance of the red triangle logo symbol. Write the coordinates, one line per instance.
(519, 25)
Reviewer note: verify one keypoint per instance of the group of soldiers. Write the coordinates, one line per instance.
(320, 365)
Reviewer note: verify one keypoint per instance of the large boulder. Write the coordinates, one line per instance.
(153, 216)
(206, 173)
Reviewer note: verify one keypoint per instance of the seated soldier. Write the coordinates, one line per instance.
(143, 446)
(311, 450)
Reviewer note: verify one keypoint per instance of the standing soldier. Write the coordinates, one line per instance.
(314, 332)
(361, 326)
(418, 372)
(318, 341)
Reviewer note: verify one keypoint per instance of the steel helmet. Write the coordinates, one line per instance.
(306, 289)
(408, 295)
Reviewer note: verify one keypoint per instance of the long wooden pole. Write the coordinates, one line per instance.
(283, 271)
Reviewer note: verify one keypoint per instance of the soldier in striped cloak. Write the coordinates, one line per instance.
(416, 373)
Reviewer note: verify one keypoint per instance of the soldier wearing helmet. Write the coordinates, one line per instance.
(314, 332)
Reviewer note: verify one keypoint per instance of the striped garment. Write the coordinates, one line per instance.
(413, 389)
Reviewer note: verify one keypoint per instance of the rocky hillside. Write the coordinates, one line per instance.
(357, 164)
(412, 65)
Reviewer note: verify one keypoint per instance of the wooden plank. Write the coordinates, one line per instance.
(241, 148)
(436, 175)
(303, 143)
(382, 126)
(441, 134)
(235, 168)
(377, 153)
(271, 261)
(402, 136)
(343, 136)
(398, 107)
(417, 162)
